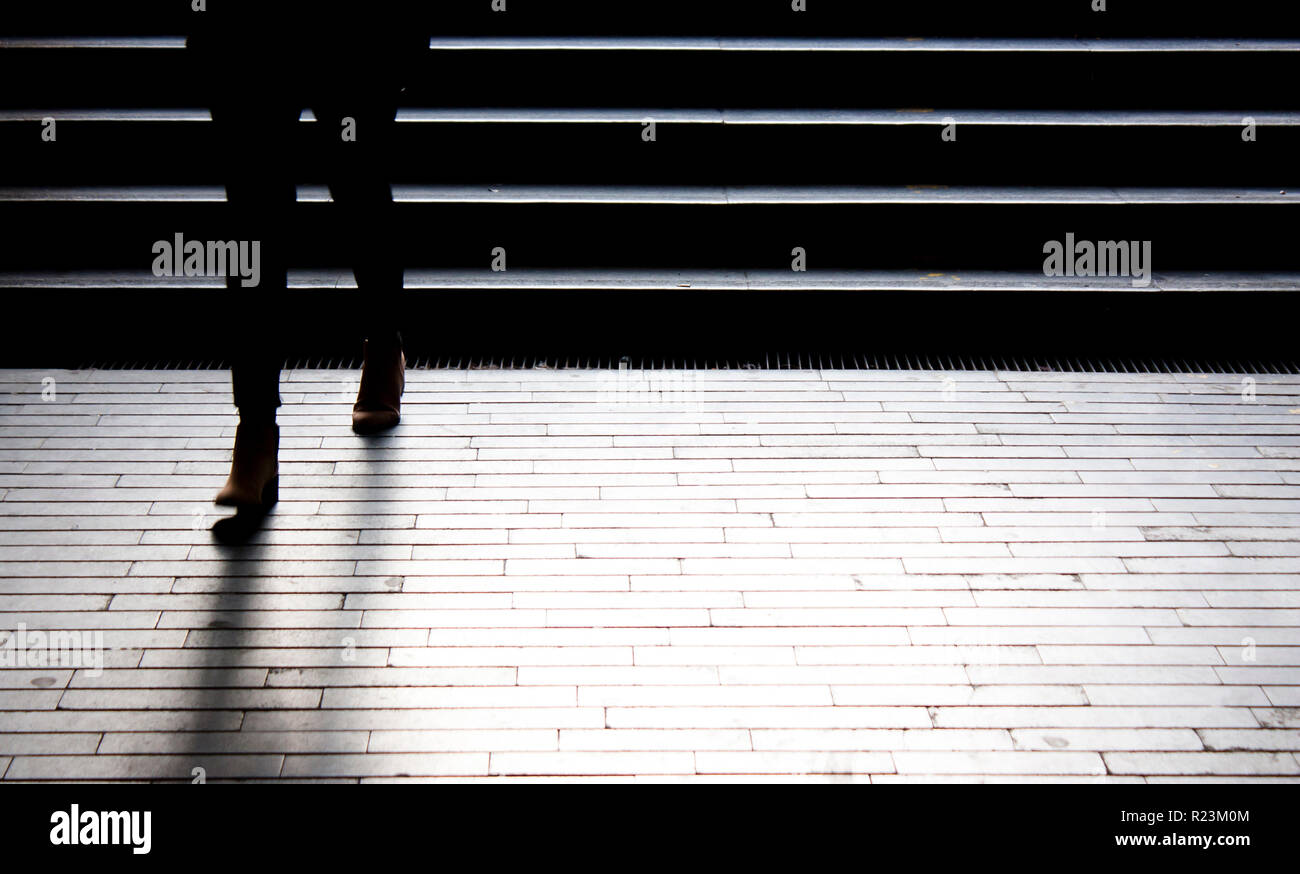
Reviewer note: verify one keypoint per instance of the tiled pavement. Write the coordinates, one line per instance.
(825, 575)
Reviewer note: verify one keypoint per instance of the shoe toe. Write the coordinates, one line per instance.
(374, 421)
(230, 497)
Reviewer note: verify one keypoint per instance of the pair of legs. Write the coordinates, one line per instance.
(259, 138)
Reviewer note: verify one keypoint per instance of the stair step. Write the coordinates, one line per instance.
(845, 229)
(680, 312)
(722, 71)
(1201, 148)
(769, 17)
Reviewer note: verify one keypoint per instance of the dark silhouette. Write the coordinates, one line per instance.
(259, 65)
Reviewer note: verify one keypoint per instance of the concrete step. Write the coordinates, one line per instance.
(1200, 18)
(681, 227)
(721, 71)
(130, 314)
(729, 147)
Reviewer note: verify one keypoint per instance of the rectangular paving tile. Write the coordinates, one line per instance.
(998, 762)
(386, 765)
(143, 767)
(593, 763)
(1203, 763)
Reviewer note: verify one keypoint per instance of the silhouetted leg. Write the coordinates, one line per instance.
(256, 141)
(360, 186)
(356, 136)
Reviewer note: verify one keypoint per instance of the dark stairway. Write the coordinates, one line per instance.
(920, 156)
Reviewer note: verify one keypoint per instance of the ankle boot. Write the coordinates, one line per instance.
(383, 377)
(254, 473)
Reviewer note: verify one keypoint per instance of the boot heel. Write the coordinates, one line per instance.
(271, 492)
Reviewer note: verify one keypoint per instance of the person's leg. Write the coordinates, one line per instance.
(256, 327)
(255, 139)
(356, 133)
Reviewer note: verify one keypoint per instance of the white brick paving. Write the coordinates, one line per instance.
(874, 576)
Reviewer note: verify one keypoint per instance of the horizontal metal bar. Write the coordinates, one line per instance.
(770, 195)
(730, 44)
(696, 280)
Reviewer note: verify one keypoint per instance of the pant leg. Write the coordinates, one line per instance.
(360, 186)
(255, 138)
